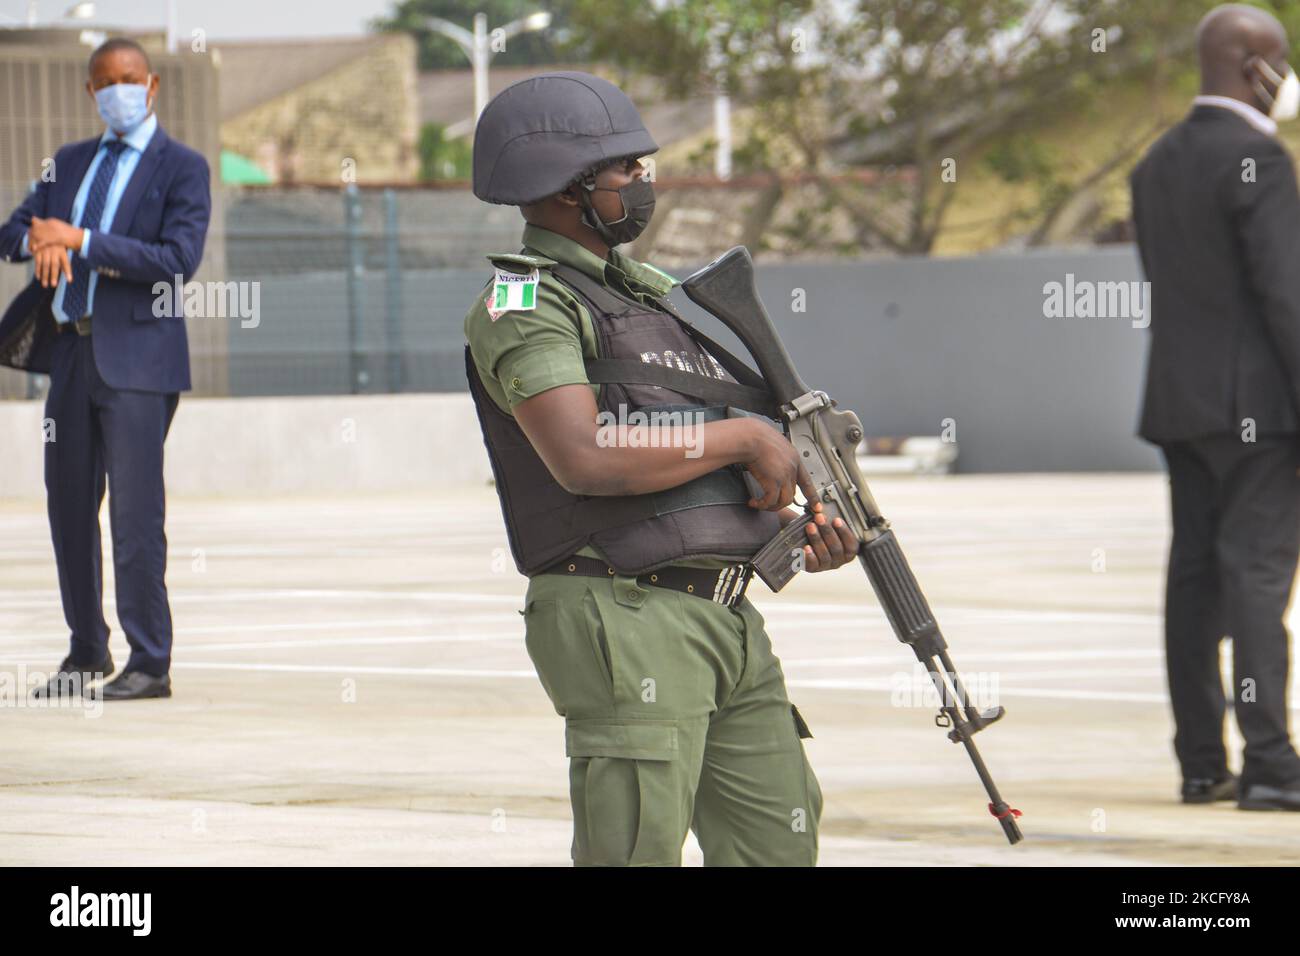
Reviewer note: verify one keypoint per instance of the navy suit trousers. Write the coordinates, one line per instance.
(96, 433)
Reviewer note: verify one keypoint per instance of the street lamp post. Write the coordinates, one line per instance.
(78, 11)
(171, 26)
(722, 132)
(479, 59)
(716, 62)
(477, 45)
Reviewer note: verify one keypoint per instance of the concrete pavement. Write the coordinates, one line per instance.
(352, 687)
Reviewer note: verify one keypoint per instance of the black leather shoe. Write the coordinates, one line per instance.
(136, 685)
(72, 679)
(1205, 790)
(1260, 796)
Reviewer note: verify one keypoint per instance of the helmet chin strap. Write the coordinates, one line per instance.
(589, 214)
(637, 201)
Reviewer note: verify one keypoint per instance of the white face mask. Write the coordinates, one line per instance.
(1286, 100)
(1287, 105)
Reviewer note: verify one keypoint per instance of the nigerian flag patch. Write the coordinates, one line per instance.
(512, 291)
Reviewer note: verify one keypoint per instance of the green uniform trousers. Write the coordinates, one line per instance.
(676, 717)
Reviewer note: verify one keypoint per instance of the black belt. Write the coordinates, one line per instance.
(725, 586)
(81, 326)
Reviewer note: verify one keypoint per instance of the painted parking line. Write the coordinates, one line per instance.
(220, 629)
(849, 611)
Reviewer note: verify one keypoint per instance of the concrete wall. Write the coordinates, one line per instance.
(907, 343)
(254, 446)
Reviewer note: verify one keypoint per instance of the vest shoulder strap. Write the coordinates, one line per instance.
(751, 393)
(598, 294)
(738, 368)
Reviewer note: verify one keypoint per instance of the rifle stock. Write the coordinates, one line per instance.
(725, 288)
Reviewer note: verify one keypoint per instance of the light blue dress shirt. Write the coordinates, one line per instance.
(136, 142)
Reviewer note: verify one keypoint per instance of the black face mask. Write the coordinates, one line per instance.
(638, 198)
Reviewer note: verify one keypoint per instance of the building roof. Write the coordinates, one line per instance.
(256, 71)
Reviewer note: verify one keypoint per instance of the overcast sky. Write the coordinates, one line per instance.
(222, 19)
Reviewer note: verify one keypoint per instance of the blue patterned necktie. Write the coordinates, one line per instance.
(74, 299)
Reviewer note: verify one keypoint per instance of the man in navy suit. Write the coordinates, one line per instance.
(111, 218)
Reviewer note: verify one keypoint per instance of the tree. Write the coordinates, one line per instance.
(439, 53)
(922, 84)
(442, 158)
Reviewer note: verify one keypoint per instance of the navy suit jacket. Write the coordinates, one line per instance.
(157, 233)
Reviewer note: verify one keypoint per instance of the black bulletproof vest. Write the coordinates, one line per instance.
(649, 360)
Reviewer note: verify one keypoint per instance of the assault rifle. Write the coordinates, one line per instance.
(827, 439)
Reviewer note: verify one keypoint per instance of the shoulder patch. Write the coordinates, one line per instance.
(676, 282)
(519, 259)
(512, 292)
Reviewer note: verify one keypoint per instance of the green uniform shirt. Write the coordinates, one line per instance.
(523, 352)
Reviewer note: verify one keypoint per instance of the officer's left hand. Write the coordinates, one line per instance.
(52, 232)
(830, 544)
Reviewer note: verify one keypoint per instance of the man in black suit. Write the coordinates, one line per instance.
(1218, 226)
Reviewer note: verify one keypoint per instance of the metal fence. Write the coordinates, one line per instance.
(361, 290)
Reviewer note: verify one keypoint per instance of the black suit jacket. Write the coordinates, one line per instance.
(1222, 254)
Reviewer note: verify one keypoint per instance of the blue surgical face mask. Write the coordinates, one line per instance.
(123, 106)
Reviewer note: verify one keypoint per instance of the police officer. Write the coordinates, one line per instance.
(620, 437)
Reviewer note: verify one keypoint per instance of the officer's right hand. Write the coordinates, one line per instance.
(49, 261)
(775, 465)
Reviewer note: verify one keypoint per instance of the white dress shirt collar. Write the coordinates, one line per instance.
(139, 137)
(1247, 112)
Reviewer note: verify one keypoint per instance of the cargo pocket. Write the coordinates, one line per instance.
(813, 800)
(630, 797)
